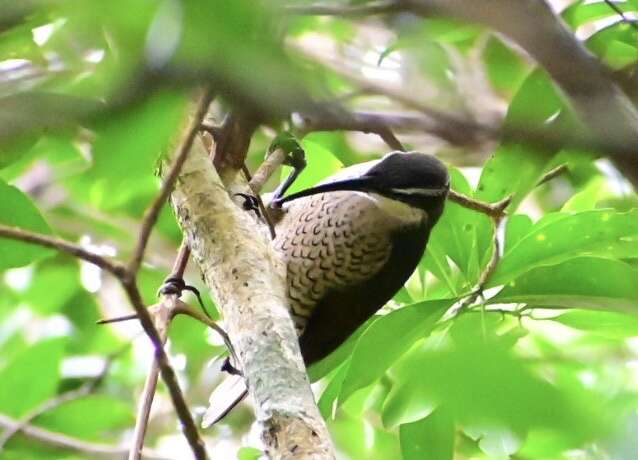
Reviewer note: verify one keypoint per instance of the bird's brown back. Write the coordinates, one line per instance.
(330, 242)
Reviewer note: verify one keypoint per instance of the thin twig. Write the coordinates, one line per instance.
(181, 260)
(621, 13)
(161, 318)
(497, 218)
(129, 283)
(453, 129)
(113, 266)
(127, 278)
(119, 319)
(84, 390)
(368, 9)
(487, 272)
(456, 130)
(180, 308)
(68, 442)
(557, 171)
(163, 313)
(273, 161)
(189, 428)
(144, 411)
(156, 326)
(494, 210)
(391, 140)
(152, 213)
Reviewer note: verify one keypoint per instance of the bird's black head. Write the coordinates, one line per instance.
(409, 177)
(413, 178)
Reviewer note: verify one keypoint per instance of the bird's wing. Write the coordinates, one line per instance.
(224, 398)
(330, 241)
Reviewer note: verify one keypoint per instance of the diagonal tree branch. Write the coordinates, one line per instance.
(166, 371)
(114, 267)
(598, 100)
(610, 118)
(366, 9)
(246, 278)
(152, 213)
(68, 442)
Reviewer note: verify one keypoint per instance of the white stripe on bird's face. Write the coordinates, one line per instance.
(417, 191)
(404, 213)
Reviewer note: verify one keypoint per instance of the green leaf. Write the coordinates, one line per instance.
(59, 152)
(620, 54)
(506, 69)
(606, 323)
(538, 106)
(587, 197)
(583, 12)
(337, 143)
(498, 444)
(126, 150)
(559, 237)
(358, 438)
(533, 105)
(431, 438)
(516, 228)
(15, 149)
(31, 377)
(482, 383)
(545, 444)
(382, 343)
(435, 261)
(60, 273)
(249, 453)
(582, 282)
(401, 406)
(17, 210)
(454, 235)
(87, 337)
(106, 414)
(331, 393)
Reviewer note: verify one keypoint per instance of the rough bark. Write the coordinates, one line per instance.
(246, 278)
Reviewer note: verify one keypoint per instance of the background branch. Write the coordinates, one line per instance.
(69, 442)
(114, 267)
(368, 9)
(597, 99)
(85, 390)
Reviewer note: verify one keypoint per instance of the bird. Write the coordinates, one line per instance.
(349, 244)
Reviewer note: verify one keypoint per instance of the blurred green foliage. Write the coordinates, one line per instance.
(542, 367)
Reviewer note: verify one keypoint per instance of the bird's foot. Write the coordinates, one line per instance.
(176, 285)
(250, 203)
(229, 368)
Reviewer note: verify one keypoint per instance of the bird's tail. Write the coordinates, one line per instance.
(224, 398)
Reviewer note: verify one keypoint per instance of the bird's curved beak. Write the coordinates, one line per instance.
(357, 184)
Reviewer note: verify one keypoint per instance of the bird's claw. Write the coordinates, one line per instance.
(250, 203)
(175, 285)
(227, 367)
